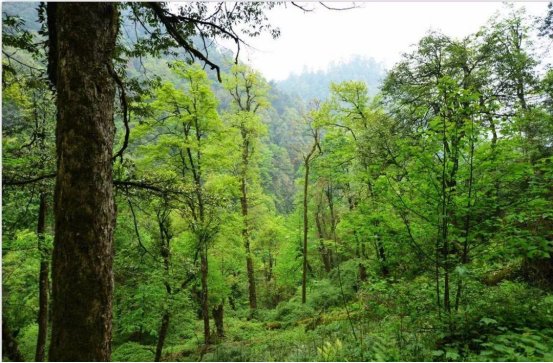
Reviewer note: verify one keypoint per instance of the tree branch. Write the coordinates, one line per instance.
(168, 21)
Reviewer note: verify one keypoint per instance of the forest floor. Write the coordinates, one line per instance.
(382, 321)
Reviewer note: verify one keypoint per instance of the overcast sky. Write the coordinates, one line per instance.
(375, 29)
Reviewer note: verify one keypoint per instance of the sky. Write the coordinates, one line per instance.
(375, 29)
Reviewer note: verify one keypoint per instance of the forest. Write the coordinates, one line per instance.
(163, 201)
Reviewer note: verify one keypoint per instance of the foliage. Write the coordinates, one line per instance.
(429, 204)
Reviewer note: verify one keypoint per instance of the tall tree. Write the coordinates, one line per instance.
(82, 42)
(82, 280)
(186, 126)
(249, 94)
(307, 159)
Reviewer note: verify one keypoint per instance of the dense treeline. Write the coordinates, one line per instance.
(311, 84)
(413, 224)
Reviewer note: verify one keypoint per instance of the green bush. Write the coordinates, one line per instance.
(27, 341)
(324, 294)
(520, 345)
(292, 311)
(133, 352)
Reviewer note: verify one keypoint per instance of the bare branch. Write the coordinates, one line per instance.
(169, 21)
(125, 107)
(339, 9)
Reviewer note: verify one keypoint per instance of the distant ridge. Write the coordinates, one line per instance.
(315, 84)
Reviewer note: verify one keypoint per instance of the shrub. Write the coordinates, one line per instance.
(133, 352)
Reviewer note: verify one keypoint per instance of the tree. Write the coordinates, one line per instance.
(184, 124)
(82, 279)
(248, 91)
(27, 106)
(82, 58)
(307, 159)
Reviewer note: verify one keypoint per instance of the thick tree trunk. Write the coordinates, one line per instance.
(82, 278)
(218, 318)
(43, 281)
(162, 335)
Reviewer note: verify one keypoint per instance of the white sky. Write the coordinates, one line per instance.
(376, 29)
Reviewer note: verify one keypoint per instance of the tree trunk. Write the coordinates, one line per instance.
(82, 277)
(245, 228)
(42, 282)
(362, 272)
(381, 254)
(162, 335)
(218, 318)
(205, 301)
(165, 252)
(323, 251)
(251, 280)
(10, 348)
(246, 237)
(307, 160)
(305, 221)
(270, 270)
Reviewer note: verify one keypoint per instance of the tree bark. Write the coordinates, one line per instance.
(246, 237)
(43, 281)
(10, 348)
(381, 254)
(218, 318)
(323, 251)
(307, 160)
(362, 272)
(305, 227)
(205, 300)
(162, 335)
(82, 276)
(165, 252)
(245, 228)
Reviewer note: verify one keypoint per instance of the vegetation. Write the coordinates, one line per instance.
(154, 210)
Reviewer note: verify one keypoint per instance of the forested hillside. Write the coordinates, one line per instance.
(310, 84)
(163, 202)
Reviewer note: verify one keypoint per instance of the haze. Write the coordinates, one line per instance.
(381, 30)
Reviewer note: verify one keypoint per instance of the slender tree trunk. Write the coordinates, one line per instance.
(165, 252)
(379, 246)
(245, 228)
(305, 227)
(162, 335)
(464, 255)
(307, 160)
(251, 280)
(10, 348)
(43, 281)
(381, 254)
(246, 237)
(444, 220)
(205, 300)
(218, 318)
(82, 277)
(437, 271)
(362, 272)
(323, 251)
(333, 223)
